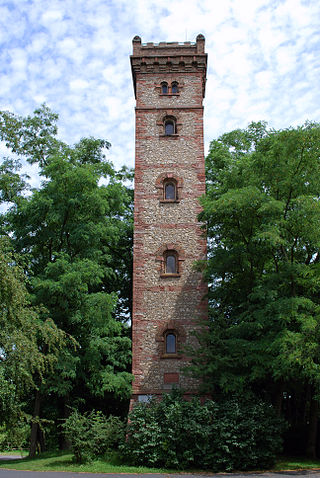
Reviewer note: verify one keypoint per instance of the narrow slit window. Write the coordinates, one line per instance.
(169, 127)
(171, 343)
(171, 264)
(170, 191)
(164, 88)
(174, 87)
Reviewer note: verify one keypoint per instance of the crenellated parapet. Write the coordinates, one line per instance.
(169, 57)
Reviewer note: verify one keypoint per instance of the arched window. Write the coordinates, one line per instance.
(164, 88)
(171, 263)
(169, 127)
(170, 343)
(170, 260)
(169, 188)
(174, 87)
(170, 191)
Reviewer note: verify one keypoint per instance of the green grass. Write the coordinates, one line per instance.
(296, 463)
(14, 452)
(62, 461)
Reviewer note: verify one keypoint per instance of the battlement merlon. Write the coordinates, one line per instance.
(165, 57)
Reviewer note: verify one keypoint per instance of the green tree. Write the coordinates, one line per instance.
(29, 341)
(263, 216)
(74, 233)
(11, 182)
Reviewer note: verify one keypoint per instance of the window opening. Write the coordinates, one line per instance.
(164, 88)
(171, 263)
(144, 398)
(169, 127)
(171, 343)
(174, 87)
(170, 191)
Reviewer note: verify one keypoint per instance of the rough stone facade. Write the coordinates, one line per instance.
(167, 302)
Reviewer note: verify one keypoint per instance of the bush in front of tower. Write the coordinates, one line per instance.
(230, 435)
(171, 432)
(92, 434)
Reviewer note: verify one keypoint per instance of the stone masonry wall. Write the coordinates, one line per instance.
(163, 302)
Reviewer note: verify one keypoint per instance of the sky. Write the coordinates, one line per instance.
(263, 62)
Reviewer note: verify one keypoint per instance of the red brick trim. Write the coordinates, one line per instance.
(173, 325)
(170, 247)
(160, 183)
(160, 258)
(171, 377)
(169, 81)
(168, 115)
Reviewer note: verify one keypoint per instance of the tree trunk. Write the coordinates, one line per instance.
(35, 426)
(42, 442)
(279, 398)
(312, 429)
(64, 443)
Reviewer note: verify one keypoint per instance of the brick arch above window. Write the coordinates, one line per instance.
(165, 256)
(171, 327)
(164, 120)
(162, 181)
(170, 341)
(174, 86)
(169, 125)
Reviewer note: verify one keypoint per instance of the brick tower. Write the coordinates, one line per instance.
(169, 84)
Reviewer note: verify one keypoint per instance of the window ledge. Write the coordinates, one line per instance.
(171, 356)
(166, 201)
(166, 276)
(169, 94)
(173, 136)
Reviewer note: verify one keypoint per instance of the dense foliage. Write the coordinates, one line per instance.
(73, 235)
(65, 296)
(92, 434)
(30, 342)
(234, 434)
(262, 211)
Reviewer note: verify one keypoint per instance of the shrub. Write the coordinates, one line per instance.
(92, 434)
(172, 432)
(245, 435)
(14, 436)
(232, 434)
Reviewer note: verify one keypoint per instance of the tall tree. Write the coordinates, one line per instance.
(262, 210)
(74, 231)
(30, 342)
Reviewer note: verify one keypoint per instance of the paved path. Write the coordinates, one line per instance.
(53, 474)
(66, 474)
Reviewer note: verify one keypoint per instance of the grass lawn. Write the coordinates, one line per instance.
(62, 461)
(296, 463)
(14, 452)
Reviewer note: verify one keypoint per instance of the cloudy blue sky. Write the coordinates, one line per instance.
(264, 61)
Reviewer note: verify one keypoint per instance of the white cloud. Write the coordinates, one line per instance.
(38, 43)
(74, 54)
(78, 84)
(51, 16)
